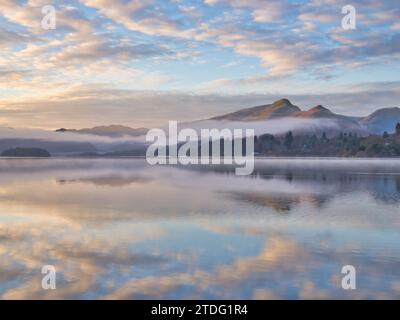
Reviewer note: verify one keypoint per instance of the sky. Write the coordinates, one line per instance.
(143, 63)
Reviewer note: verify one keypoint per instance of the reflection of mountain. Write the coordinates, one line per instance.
(282, 203)
(316, 182)
(384, 189)
(109, 181)
(382, 186)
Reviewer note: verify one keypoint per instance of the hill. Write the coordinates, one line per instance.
(382, 120)
(112, 131)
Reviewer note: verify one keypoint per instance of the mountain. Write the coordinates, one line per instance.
(382, 120)
(376, 123)
(113, 131)
(278, 109)
(286, 116)
(320, 112)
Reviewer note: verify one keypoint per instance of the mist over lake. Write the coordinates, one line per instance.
(119, 228)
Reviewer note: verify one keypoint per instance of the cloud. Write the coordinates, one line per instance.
(11, 38)
(137, 46)
(142, 16)
(96, 50)
(78, 44)
(301, 49)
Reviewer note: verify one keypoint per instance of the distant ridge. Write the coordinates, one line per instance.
(108, 131)
(378, 122)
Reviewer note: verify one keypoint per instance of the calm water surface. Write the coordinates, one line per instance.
(119, 228)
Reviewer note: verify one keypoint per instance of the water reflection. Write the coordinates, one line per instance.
(118, 228)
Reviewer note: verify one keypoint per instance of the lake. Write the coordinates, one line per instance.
(121, 229)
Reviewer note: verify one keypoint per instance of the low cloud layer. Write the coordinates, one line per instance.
(275, 126)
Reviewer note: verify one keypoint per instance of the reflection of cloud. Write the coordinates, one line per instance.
(80, 260)
(105, 258)
(282, 266)
(311, 292)
(279, 255)
(178, 236)
(150, 287)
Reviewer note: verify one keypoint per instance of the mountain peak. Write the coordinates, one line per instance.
(320, 111)
(319, 108)
(277, 109)
(282, 101)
